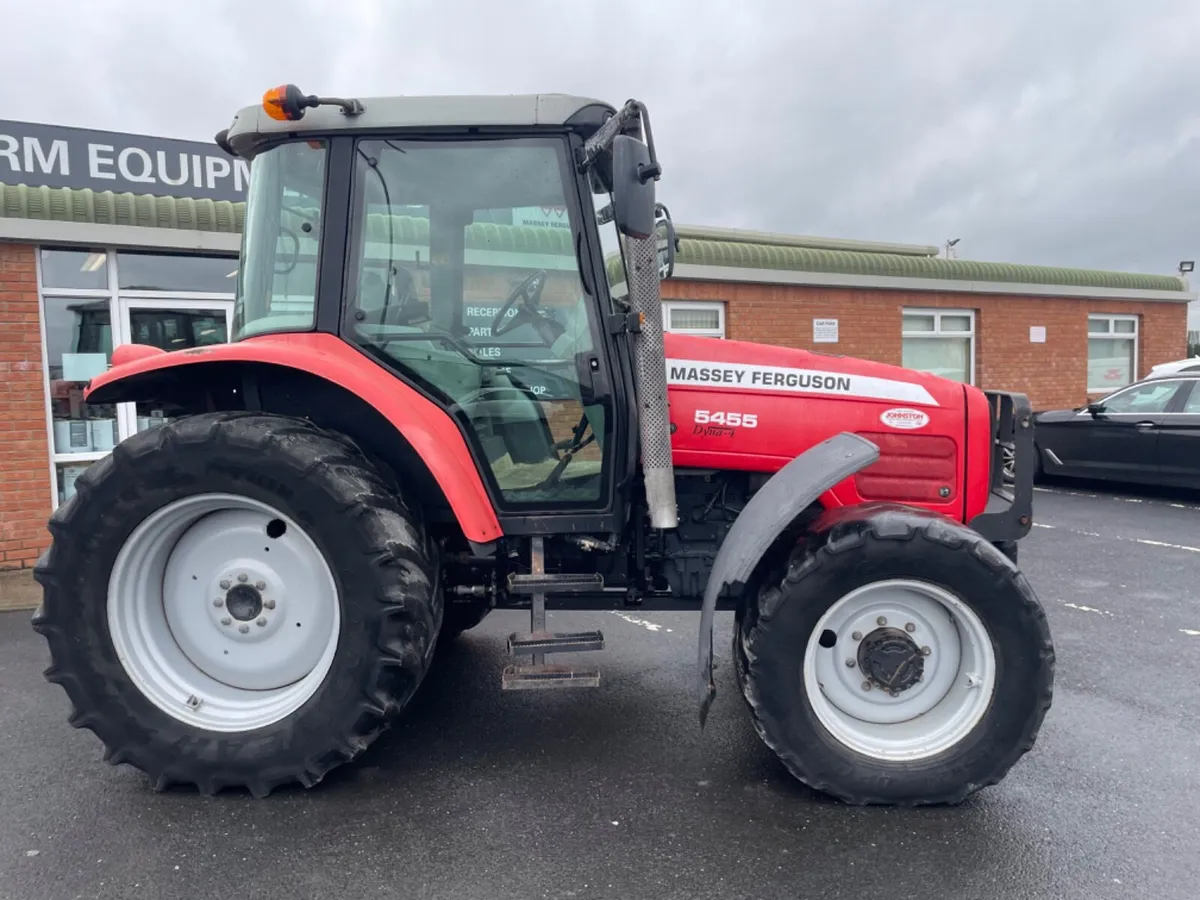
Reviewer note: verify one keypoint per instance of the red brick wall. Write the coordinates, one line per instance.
(24, 455)
(1053, 374)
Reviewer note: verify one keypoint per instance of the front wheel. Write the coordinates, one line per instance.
(902, 660)
(237, 600)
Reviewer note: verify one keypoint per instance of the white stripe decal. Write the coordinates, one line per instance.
(703, 373)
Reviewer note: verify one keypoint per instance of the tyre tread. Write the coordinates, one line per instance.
(909, 526)
(405, 617)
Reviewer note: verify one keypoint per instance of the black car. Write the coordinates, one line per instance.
(1148, 432)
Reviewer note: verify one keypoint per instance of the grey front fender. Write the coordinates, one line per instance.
(788, 493)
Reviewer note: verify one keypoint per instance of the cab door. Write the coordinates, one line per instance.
(469, 275)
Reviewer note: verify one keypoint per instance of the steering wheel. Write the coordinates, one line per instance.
(529, 292)
(293, 258)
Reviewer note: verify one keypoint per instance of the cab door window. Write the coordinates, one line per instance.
(465, 278)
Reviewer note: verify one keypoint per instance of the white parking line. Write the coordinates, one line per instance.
(1069, 493)
(634, 620)
(1164, 544)
(1115, 537)
(1190, 631)
(1091, 609)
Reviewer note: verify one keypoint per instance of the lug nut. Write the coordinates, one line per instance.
(262, 620)
(910, 627)
(882, 620)
(220, 601)
(849, 664)
(857, 636)
(225, 621)
(224, 584)
(268, 604)
(925, 651)
(866, 685)
(261, 585)
(244, 629)
(243, 577)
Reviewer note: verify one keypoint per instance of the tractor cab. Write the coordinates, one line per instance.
(471, 261)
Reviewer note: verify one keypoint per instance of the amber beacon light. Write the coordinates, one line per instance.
(287, 103)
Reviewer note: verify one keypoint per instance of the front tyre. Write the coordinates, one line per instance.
(237, 600)
(902, 660)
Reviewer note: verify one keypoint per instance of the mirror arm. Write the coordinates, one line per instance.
(602, 140)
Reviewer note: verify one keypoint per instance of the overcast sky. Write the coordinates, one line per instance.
(1062, 132)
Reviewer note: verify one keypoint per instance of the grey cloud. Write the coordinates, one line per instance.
(1061, 133)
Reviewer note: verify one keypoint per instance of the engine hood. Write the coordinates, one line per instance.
(742, 367)
(736, 405)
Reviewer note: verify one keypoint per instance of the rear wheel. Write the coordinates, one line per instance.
(902, 660)
(237, 600)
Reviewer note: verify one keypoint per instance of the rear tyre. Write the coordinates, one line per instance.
(237, 600)
(902, 660)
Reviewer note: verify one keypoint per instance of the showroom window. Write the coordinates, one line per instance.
(703, 318)
(940, 341)
(94, 299)
(1112, 352)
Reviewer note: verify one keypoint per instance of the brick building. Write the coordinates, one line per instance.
(1058, 335)
(108, 239)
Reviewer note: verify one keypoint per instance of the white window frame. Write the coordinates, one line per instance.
(704, 305)
(938, 334)
(118, 303)
(1113, 335)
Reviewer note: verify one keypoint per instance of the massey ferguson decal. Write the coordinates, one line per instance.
(793, 381)
(904, 419)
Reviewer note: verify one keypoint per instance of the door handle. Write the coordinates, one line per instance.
(1144, 425)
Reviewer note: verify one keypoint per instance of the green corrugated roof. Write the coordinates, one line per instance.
(106, 207)
(848, 262)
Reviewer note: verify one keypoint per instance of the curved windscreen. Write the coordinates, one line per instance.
(277, 280)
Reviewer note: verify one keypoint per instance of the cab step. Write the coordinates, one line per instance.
(540, 675)
(535, 583)
(554, 642)
(547, 676)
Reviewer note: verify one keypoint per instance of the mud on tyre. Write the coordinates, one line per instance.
(272, 602)
(902, 660)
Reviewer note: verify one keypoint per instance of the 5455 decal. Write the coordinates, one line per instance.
(730, 419)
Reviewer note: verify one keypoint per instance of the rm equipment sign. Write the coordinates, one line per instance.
(57, 157)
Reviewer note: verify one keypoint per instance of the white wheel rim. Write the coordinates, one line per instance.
(927, 717)
(223, 612)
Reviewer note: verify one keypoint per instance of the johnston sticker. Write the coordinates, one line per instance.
(905, 419)
(703, 373)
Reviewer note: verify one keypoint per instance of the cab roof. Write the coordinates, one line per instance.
(252, 127)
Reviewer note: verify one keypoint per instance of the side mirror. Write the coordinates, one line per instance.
(1095, 408)
(668, 244)
(633, 187)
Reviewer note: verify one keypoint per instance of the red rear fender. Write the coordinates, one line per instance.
(427, 428)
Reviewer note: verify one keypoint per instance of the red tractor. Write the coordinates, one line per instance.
(449, 391)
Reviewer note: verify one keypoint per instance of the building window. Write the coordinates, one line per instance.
(1112, 352)
(93, 301)
(85, 270)
(940, 341)
(176, 272)
(702, 318)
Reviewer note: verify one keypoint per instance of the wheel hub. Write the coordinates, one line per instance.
(891, 660)
(244, 602)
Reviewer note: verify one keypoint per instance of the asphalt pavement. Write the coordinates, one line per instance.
(616, 793)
